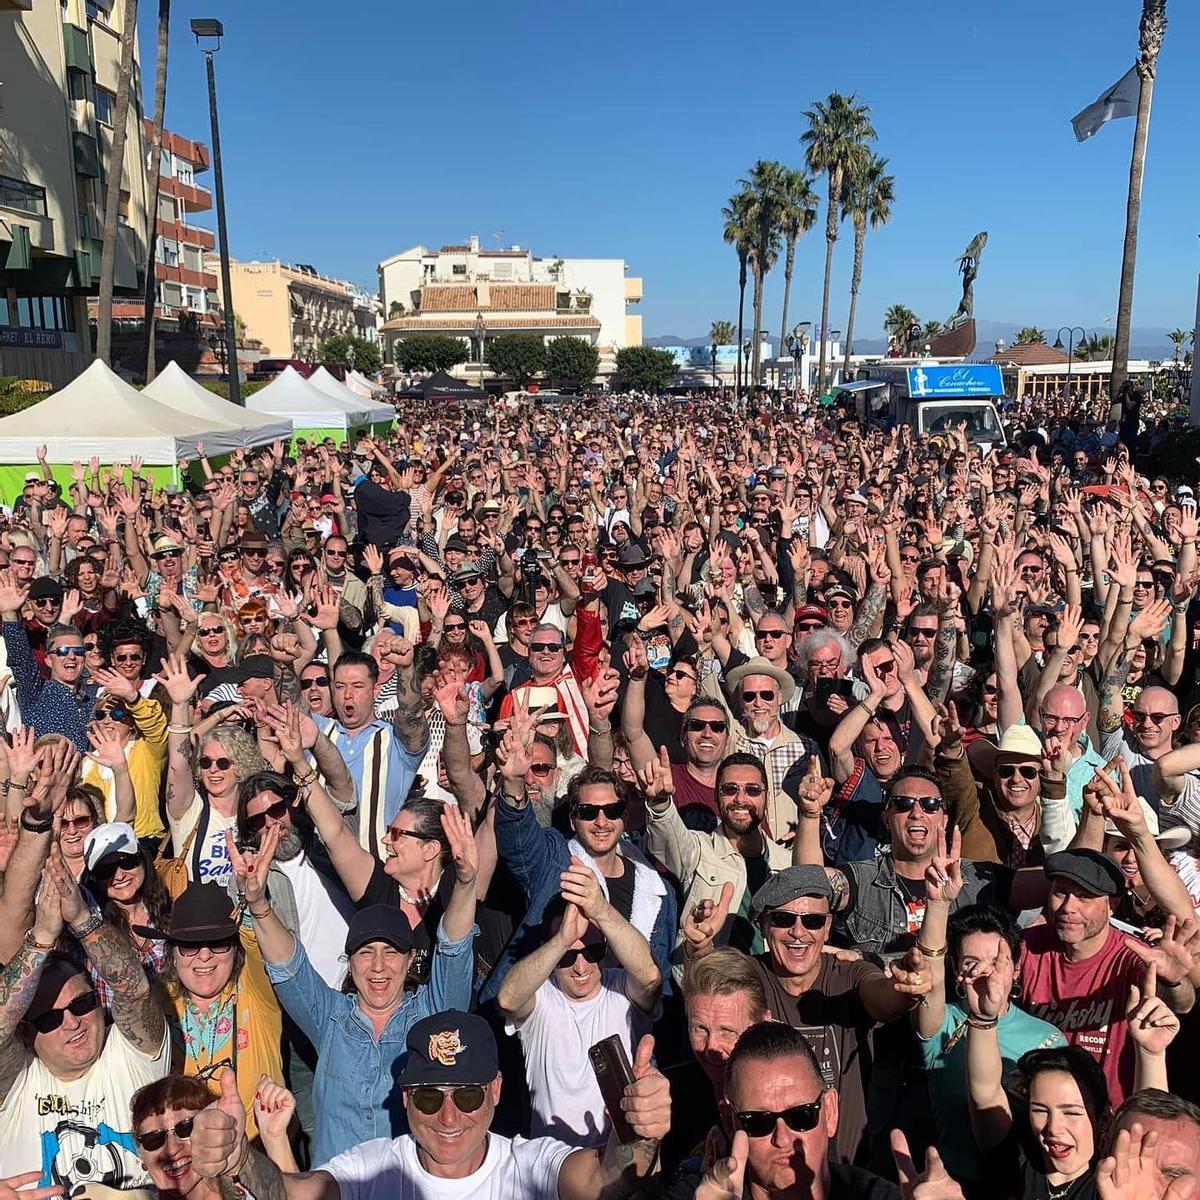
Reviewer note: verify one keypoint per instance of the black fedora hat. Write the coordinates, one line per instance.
(202, 914)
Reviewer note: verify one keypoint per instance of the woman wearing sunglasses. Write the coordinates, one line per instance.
(82, 812)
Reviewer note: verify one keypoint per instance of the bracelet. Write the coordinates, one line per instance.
(925, 950)
(94, 921)
(982, 1022)
(35, 826)
(603, 729)
(870, 711)
(259, 916)
(302, 781)
(179, 729)
(34, 944)
(14, 786)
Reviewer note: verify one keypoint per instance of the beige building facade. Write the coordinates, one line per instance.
(59, 66)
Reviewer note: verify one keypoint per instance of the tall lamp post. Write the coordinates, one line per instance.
(1071, 331)
(713, 353)
(481, 339)
(212, 29)
(835, 336)
(797, 343)
(747, 347)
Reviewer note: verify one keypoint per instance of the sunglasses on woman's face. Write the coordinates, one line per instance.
(222, 947)
(221, 764)
(275, 812)
(593, 952)
(107, 867)
(468, 1098)
(70, 823)
(782, 918)
(156, 1139)
(52, 1018)
(800, 1118)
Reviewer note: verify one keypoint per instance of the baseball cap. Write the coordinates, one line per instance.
(114, 837)
(379, 923)
(1091, 870)
(811, 612)
(450, 1048)
(46, 588)
(790, 884)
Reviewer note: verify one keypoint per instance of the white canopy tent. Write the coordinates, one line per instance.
(380, 414)
(362, 386)
(178, 390)
(311, 411)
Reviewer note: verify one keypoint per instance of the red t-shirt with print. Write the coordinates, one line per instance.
(1085, 1000)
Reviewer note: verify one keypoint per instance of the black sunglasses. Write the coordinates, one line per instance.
(594, 952)
(108, 866)
(1008, 770)
(52, 1018)
(699, 725)
(782, 918)
(258, 822)
(589, 812)
(155, 1139)
(467, 1098)
(800, 1118)
(748, 697)
(222, 763)
(903, 804)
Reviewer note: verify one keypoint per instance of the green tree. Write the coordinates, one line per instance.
(1150, 39)
(797, 215)
(931, 329)
(1180, 338)
(1031, 335)
(349, 351)
(765, 184)
(517, 356)
(899, 321)
(1096, 347)
(835, 145)
(429, 352)
(738, 214)
(645, 369)
(868, 198)
(573, 360)
(720, 333)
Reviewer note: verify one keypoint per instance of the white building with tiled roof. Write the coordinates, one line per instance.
(463, 290)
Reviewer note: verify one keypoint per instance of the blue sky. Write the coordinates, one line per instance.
(352, 131)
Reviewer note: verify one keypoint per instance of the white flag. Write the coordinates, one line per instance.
(1121, 100)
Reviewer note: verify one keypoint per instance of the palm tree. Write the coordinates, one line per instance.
(765, 184)
(1031, 335)
(116, 173)
(720, 333)
(797, 215)
(1179, 337)
(931, 329)
(1096, 347)
(738, 214)
(160, 104)
(899, 320)
(835, 143)
(1150, 39)
(868, 198)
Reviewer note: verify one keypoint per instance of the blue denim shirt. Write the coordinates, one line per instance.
(537, 858)
(355, 1090)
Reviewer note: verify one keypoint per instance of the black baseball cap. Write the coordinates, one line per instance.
(46, 588)
(450, 1048)
(379, 923)
(1091, 870)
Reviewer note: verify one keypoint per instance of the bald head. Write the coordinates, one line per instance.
(1158, 699)
(1064, 712)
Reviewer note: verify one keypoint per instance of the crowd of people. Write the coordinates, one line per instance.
(697, 799)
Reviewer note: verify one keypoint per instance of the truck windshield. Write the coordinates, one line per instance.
(980, 420)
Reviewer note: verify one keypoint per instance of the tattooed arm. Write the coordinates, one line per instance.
(410, 722)
(18, 982)
(869, 612)
(135, 1010)
(1112, 702)
(937, 687)
(666, 595)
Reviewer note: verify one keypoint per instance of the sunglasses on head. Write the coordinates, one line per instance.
(747, 697)
(1009, 770)
(904, 804)
(108, 866)
(69, 651)
(52, 1018)
(782, 918)
(156, 1139)
(221, 764)
(467, 1097)
(224, 946)
(593, 952)
(699, 725)
(589, 812)
(800, 1118)
(274, 812)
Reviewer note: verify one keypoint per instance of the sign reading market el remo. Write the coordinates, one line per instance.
(32, 339)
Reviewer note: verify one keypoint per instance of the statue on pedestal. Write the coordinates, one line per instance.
(968, 266)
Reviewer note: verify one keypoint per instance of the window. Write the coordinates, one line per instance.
(502, 270)
(43, 312)
(459, 269)
(193, 298)
(4, 317)
(100, 10)
(183, 172)
(172, 294)
(28, 197)
(166, 208)
(77, 85)
(105, 101)
(193, 258)
(170, 254)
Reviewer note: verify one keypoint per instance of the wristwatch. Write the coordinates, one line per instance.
(35, 826)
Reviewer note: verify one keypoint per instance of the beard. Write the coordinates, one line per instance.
(291, 845)
(760, 725)
(741, 822)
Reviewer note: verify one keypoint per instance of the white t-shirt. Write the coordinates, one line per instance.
(552, 616)
(79, 1132)
(388, 1169)
(564, 1096)
(215, 866)
(324, 913)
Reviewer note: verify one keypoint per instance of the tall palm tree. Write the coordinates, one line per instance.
(797, 215)
(765, 183)
(1031, 335)
(116, 174)
(1150, 39)
(835, 144)
(1180, 338)
(160, 103)
(720, 333)
(899, 321)
(868, 198)
(931, 329)
(1096, 347)
(738, 214)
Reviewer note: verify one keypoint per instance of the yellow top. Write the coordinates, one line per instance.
(145, 756)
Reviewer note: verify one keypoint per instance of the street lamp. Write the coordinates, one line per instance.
(1071, 330)
(480, 338)
(747, 347)
(713, 352)
(212, 29)
(797, 343)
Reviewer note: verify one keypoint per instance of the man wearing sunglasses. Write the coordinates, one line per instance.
(55, 1041)
(450, 1087)
(560, 998)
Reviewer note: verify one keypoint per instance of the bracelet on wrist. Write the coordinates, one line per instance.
(32, 942)
(181, 730)
(262, 915)
(93, 922)
(983, 1022)
(929, 952)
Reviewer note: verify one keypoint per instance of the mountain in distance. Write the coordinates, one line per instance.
(1148, 342)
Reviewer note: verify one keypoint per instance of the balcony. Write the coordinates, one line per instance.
(190, 235)
(78, 50)
(633, 290)
(194, 199)
(87, 154)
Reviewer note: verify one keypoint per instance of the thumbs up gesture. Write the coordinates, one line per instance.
(219, 1146)
(647, 1100)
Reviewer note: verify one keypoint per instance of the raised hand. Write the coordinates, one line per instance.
(600, 694)
(656, 778)
(705, 920)
(943, 876)
(1175, 954)
(22, 757)
(725, 1178)
(218, 1141)
(13, 594)
(1151, 621)
(512, 756)
(911, 975)
(250, 868)
(174, 676)
(1151, 1023)
(71, 903)
(636, 662)
(115, 684)
(373, 559)
(647, 1100)
(934, 1183)
(814, 791)
(581, 887)
(107, 749)
(1131, 1172)
(464, 853)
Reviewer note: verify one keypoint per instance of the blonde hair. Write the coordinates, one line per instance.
(238, 744)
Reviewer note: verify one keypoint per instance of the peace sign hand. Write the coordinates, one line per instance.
(249, 868)
(463, 850)
(943, 876)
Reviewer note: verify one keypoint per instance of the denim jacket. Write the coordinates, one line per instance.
(537, 858)
(355, 1091)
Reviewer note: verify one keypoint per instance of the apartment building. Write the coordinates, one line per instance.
(291, 309)
(59, 65)
(466, 290)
